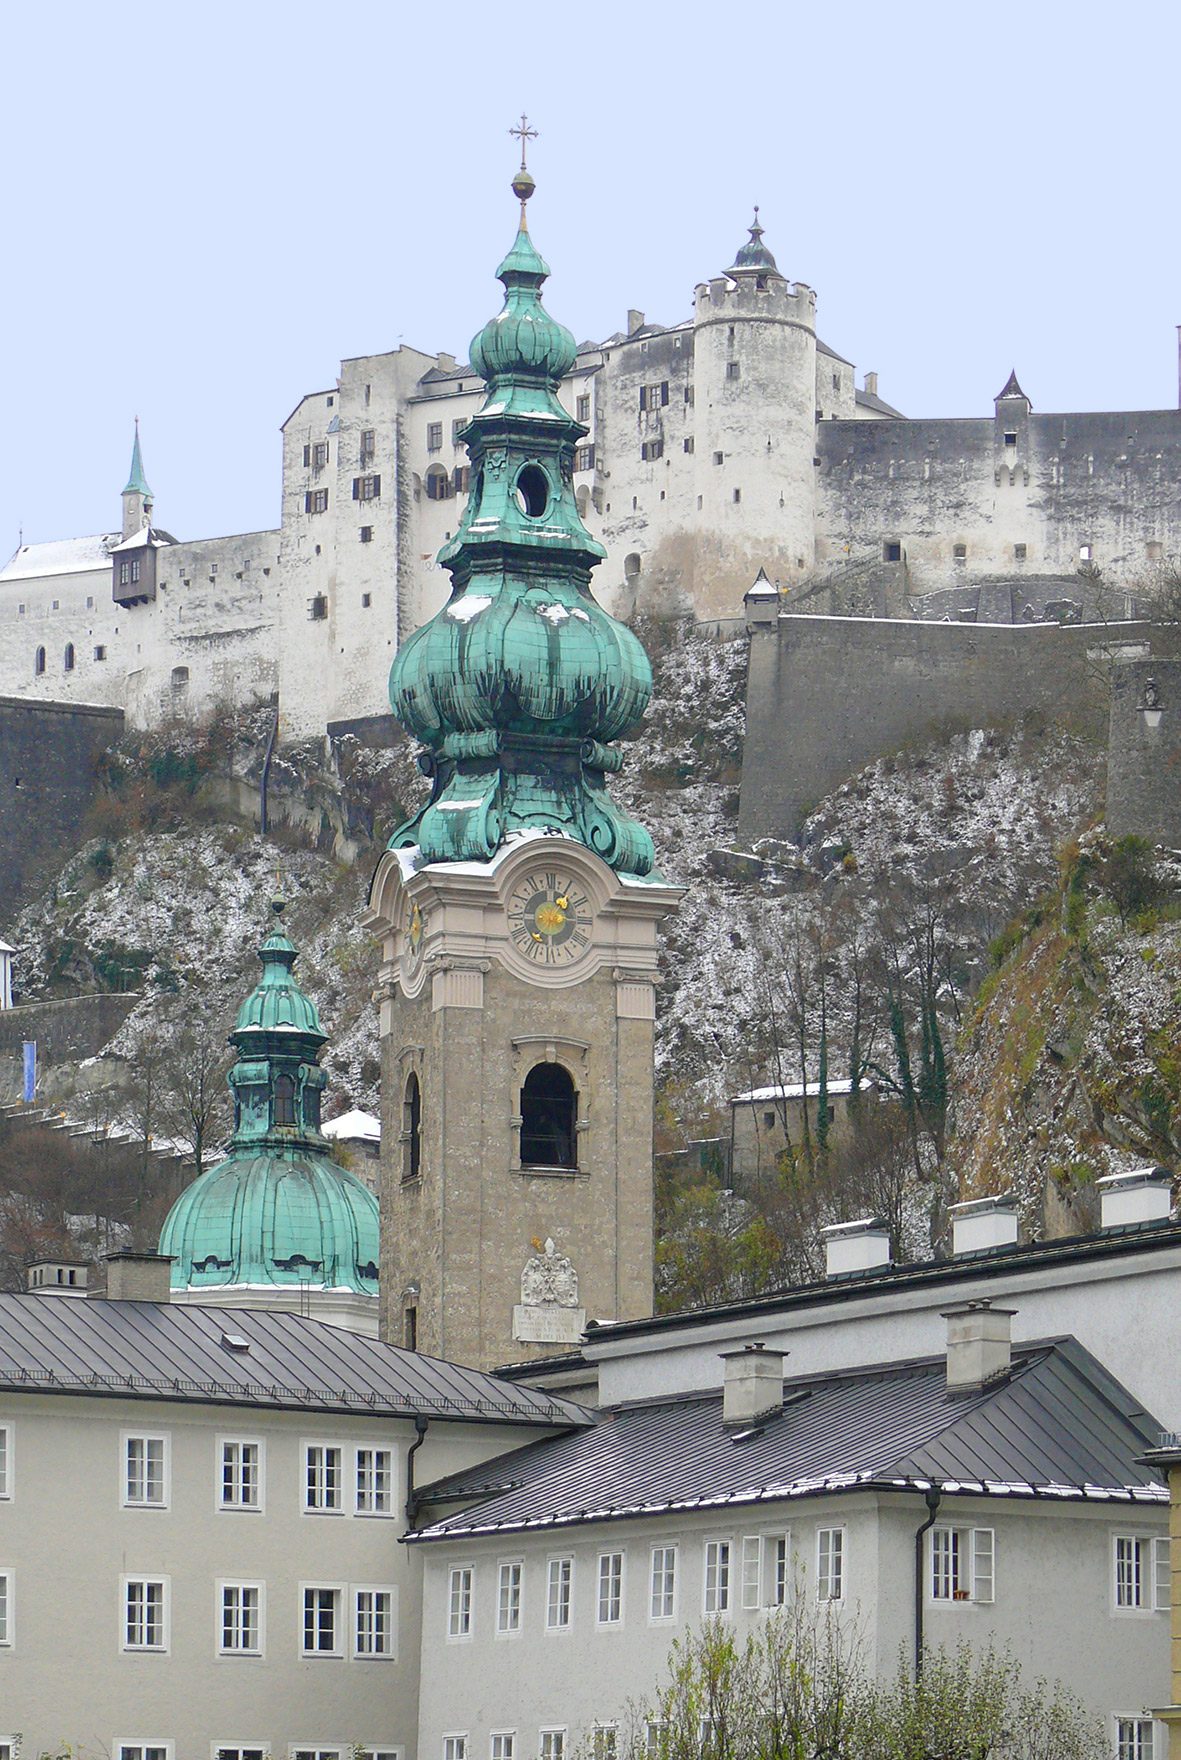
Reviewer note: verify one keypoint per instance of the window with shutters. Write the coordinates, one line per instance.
(438, 484)
(963, 1564)
(584, 458)
(368, 450)
(652, 449)
(654, 396)
(830, 1564)
(461, 478)
(457, 427)
(319, 455)
(316, 501)
(1141, 1570)
(367, 488)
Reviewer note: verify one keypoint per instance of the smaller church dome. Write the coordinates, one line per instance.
(754, 257)
(278, 1210)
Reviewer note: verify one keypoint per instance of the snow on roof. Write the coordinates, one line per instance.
(62, 556)
(353, 1126)
(147, 535)
(798, 1091)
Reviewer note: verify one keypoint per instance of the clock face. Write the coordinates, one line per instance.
(412, 938)
(549, 918)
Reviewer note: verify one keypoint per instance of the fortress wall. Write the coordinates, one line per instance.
(828, 695)
(1110, 480)
(1144, 761)
(48, 757)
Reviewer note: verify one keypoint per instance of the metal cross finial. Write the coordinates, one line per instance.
(524, 134)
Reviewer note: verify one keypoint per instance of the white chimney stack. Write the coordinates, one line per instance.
(984, 1223)
(1144, 1195)
(856, 1246)
(753, 1387)
(979, 1345)
(57, 1277)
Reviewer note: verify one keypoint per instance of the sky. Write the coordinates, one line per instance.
(206, 207)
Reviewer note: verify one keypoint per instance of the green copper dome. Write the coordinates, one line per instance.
(519, 684)
(278, 1210)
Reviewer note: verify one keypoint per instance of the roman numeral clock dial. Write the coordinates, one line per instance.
(549, 919)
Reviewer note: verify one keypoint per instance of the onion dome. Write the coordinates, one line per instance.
(519, 684)
(754, 257)
(278, 1210)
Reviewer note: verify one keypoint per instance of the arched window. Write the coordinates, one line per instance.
(582, 501)
(631, 566)
(68, 658)
(180, 678)
(285, 1100)
(412, 1128)
(39, 662)
(549, 1116)
(438, 483)
(311, 1107)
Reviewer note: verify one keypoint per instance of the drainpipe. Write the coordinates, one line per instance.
(266, 773)
(933, 1499)
(421, 1426)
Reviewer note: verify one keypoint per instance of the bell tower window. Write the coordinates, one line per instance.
(549, 1118)
(311, 1108)
(412, 1129)
(285, 1100)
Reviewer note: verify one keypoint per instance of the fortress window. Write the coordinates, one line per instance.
(733, 369)
(438, 483)
(1011, 438)
(434, 436)
(719, 457)
(366, 534)
(582, 501)
(892, 550)
(738, 495)
(731, 333)
(39, 662)
(654, 396)
(652, 449)
(689, 396)
(1019, 552)
(584, 458)
(368, 444)
(410, 1328)
(366, 601)
(180, 678)
(319, 455)
(318, 608)
(457, 427)
(412, 1128)
(631, 566)
(68, 658)
(461, 478)
(307, 456)
(1155, 551)
(367, 488)
(549, 1115)
(20, 610)
(582, 408)
(100, 653)
(1084, 553)
(687, 443)
(959, 552)
(285, 1100)
(316, 501)
(89, 603)
(836, 381)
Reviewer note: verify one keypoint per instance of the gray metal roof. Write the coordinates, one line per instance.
(1058, 1426)
(158, 1350)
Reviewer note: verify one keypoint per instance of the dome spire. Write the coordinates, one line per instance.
(519, 684)
(754, 258)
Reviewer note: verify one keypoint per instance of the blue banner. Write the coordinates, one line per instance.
(30, 1047)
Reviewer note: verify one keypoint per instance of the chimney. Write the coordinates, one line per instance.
(1126, 1199)
(446, 362)
(979, 1345)
(984, 1223)
(871, 384)
(753, 1388)
(138, 1277)
(850, 1247)
(57, 1277)
(635, 321)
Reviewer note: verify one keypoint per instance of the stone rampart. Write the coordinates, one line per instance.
(828, 695)
(66, 1031)
(1144, 751)
(48, 761)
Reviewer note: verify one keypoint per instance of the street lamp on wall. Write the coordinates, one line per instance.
(1151, 706)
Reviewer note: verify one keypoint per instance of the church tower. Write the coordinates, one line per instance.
(519, 912)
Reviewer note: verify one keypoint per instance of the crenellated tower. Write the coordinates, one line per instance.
(519, 910)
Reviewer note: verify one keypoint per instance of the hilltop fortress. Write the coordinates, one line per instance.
(731, 442)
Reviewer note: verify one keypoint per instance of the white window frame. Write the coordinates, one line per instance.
(126, 1500)
(240, 1584)
(7, 1459)
(717, 1598)
(555, 1734)
(615, 1589)
(970, 1573)
(663, 1619)
(1136, 1750)
(379, 1751)
(563, 1602)
(460, 1615)
(137, 1748)
(307, 1507)
(318, 1751)
(605, 1741)
(237, 1505)
(507, 1740)
(511, 1629)
(825, 1577)
(750, 1572)
(239, 1750)
(338, 1591)
(7, 1608)
(454, 1745)
(368, 1510)
(769, 1585)
(126, 1647)
(390, 1654)
(1153, 1564)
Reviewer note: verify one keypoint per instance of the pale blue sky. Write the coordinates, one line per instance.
(207, 206)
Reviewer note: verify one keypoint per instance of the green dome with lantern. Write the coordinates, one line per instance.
(278, 1211)
(518, 686)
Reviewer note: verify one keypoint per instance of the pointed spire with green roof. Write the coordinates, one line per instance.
(137, 497)
(521, 682)
(137, 483)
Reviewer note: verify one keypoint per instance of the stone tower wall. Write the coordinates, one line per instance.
(48, 758)
(1144, 761)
